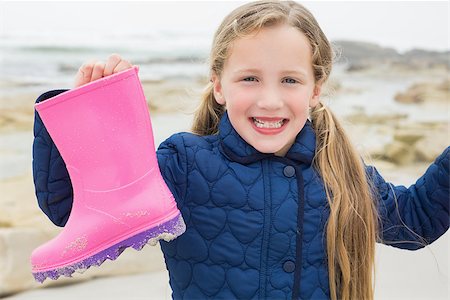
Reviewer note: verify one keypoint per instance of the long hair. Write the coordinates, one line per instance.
(351, 230)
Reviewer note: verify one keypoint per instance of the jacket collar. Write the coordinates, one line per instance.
(236, 149)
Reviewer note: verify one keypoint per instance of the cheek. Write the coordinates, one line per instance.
(299, 101)
(239, 99)
(302, 99)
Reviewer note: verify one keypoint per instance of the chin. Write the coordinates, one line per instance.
(267, 148)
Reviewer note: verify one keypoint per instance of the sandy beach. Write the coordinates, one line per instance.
(152, 285)
(400, 275)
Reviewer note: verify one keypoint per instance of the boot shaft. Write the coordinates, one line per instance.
(104, 133)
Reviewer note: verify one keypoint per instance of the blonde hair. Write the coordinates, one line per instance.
(351, 230)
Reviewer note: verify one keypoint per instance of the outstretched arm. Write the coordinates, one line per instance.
(411, 218)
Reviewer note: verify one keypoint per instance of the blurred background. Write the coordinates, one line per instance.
(390, 86)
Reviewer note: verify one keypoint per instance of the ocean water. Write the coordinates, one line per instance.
(33, 61)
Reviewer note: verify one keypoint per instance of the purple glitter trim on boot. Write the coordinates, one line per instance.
(167, 231)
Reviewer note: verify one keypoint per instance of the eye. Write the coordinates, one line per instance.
(249, 79)
(291, 80)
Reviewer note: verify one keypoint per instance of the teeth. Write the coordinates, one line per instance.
(264, 124)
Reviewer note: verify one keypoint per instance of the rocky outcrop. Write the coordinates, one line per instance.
(425, 92)
(395, 139)
(360, 56)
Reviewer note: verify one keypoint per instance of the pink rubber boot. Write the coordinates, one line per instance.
(104, 134)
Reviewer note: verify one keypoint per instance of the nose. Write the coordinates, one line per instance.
(270, 99)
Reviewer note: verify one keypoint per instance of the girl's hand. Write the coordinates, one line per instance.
(94, 70)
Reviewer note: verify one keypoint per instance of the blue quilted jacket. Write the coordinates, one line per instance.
(255, 222)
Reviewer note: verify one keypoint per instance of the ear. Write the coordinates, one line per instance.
(217, 89)
(315, 98)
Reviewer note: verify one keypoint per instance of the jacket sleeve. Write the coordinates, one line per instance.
(411, 218)
(172, 163)
(53, 187)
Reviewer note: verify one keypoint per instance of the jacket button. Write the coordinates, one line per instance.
(289, 171)
(289, 266)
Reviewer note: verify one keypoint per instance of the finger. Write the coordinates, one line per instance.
(111, 64)
(98, 70)
(79, 78)
(123, 65)
(84, 73)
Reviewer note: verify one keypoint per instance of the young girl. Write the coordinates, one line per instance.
(276, 201)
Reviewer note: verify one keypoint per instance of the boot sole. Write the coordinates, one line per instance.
(167, 231)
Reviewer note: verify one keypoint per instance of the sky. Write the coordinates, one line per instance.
(399, 24)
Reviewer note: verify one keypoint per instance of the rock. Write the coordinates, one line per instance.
(375, 119)
(444, 86)
(414, 94)
(425, 92)
(416, 143)
(357, 67)
(399, 153)
(426, 58)
(362, 56)
(431, 147)
(409, 137)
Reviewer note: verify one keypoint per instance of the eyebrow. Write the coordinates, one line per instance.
(251, 70)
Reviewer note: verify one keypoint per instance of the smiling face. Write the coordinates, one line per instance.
(267, 85)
